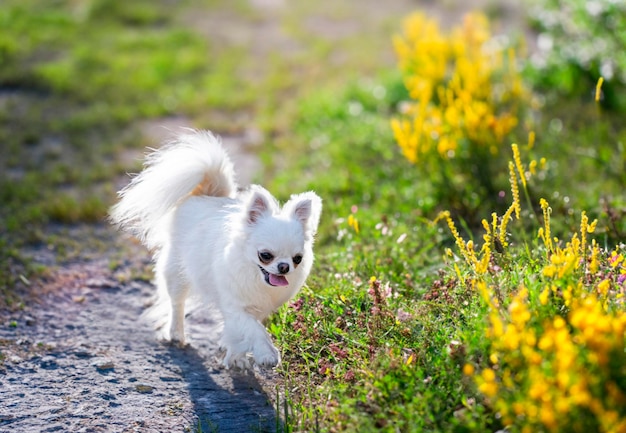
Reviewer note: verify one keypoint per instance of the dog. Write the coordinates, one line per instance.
(237, 248)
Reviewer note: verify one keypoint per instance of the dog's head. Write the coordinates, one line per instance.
(280, 240)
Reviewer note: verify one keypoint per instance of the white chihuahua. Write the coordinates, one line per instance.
(239, 249)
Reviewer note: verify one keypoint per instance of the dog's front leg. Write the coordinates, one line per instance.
(243, 333)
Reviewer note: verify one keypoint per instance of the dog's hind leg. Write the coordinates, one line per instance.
(177, 314)
(178, 289)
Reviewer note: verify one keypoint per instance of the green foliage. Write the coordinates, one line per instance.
(351, 337)
(388, 353)
(579, 42)
(125, 57)
(348, 137)
(74, 77)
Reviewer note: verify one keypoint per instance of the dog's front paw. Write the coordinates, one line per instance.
(237, 361)
(266, 355)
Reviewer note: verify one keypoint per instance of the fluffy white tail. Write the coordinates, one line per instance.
(192, 164)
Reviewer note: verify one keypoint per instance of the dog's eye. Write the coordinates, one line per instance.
(266, 257)
(297, 259)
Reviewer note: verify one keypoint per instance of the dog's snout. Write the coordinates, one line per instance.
(283, 267)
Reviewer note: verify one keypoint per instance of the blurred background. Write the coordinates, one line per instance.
(303, 94)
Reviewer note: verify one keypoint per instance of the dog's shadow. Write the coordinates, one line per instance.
(224, 400)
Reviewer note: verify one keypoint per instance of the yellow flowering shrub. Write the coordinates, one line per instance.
(558, 372)
(564, 370)
(556, 356)
(496, 235)
(464, 88)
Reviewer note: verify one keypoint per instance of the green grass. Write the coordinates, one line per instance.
(356, 361)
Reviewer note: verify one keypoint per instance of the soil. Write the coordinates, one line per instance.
(79, 357)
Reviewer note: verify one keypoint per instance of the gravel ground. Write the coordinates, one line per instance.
(81, 359)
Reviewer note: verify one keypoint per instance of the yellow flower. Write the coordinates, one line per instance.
(489, 375)
(547, 416)
(616, 259)
(518, 309)
(544, 232)
(353, 222)
(584, 225)
(465, 249)
(531, 139)
(518, 164)
(566, 367)
(514, 190)
(594, 264)
(558, 322)
(450, 82)
(488, 388)
(538, 389)
(599, 88)
(603, 287)
(505, 221)
(488, 385)
(497, 327)
(483, 265)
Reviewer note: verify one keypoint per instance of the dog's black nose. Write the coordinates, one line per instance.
(283, 267)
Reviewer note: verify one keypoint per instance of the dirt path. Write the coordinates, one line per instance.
(80, 358)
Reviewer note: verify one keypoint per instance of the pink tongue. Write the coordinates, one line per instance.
(278, 280)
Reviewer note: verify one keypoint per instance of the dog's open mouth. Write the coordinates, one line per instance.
(273, 279)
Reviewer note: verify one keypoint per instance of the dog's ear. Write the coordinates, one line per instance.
(306, 208)
(258, 206)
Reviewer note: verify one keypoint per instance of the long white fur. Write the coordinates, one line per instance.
(169, 175)
(207, 237)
